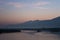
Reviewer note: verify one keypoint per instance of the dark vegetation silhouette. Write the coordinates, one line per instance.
(52, 25)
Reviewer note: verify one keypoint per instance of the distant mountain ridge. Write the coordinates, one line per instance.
(54, 23)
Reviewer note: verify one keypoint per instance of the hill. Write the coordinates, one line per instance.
(53, 23)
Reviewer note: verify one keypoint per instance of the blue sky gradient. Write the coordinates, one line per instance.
(16, 11)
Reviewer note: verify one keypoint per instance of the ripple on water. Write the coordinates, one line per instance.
(29, 36)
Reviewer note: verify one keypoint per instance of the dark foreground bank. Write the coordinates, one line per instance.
(38, 30)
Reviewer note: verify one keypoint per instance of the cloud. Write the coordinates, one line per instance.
(16, 4)
(34, 4)
(41, 3)
(41, 7)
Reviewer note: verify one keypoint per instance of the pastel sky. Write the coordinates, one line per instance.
(16, 11)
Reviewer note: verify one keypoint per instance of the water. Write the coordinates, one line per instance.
(30, 36)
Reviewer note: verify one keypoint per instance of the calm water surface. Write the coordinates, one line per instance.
(30, 36)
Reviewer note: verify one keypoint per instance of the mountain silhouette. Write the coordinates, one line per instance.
(53, 23)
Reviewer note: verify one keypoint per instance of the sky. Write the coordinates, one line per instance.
(17, 11)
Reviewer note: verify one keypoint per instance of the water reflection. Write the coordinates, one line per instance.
(30, 36)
